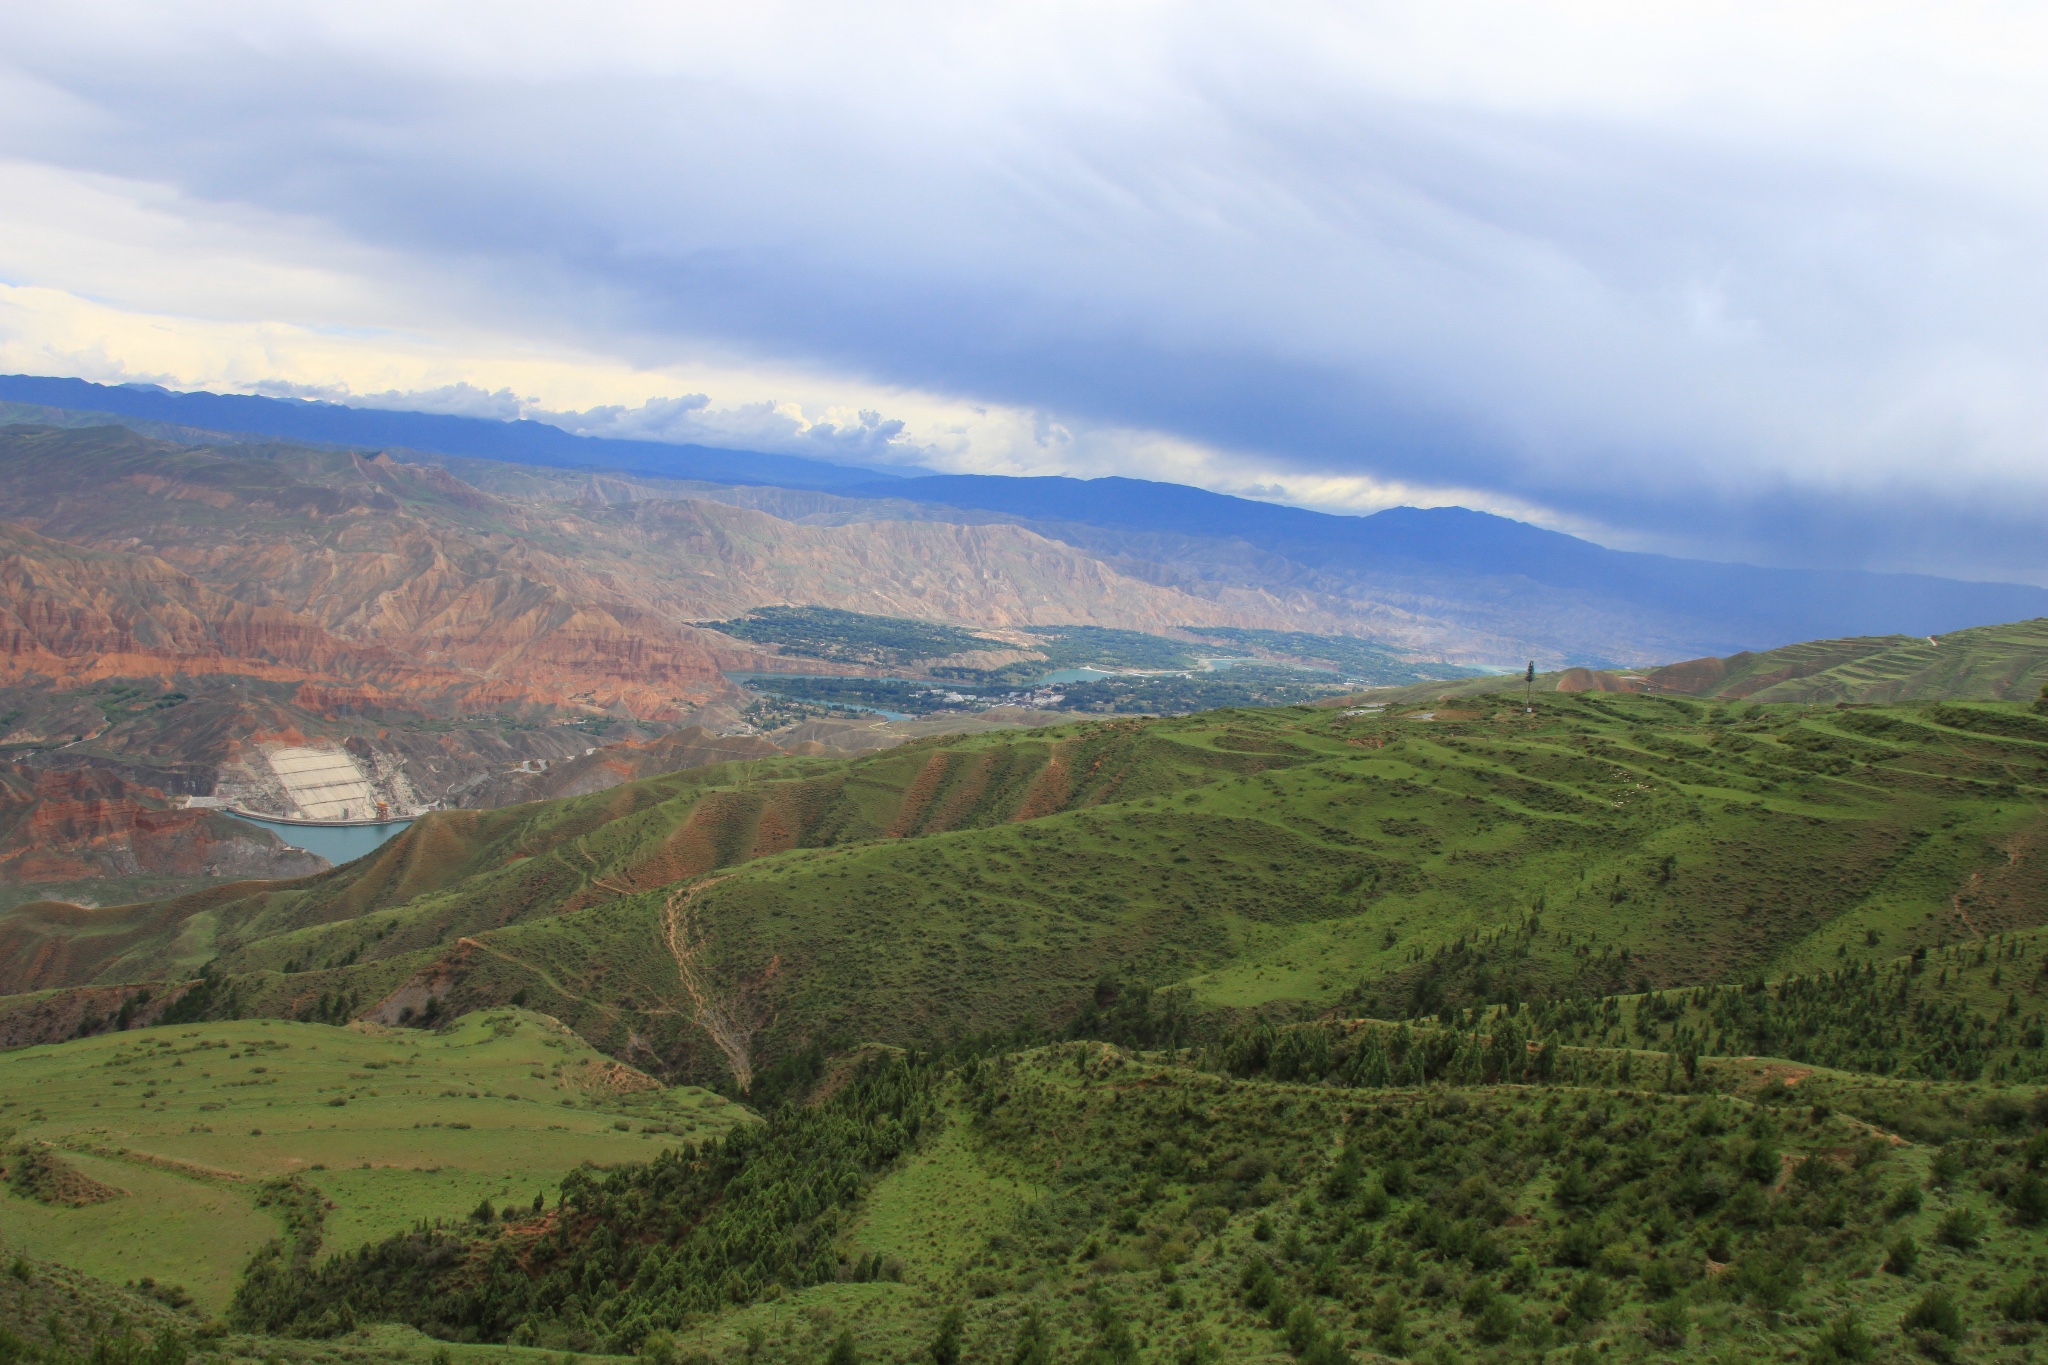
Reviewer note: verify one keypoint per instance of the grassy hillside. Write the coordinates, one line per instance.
(2004, 662)
(183, 1134)
(1086, 1203)
(1401, 860)
(1986, 663)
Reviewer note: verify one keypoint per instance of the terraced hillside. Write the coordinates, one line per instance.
(1986, 663)
(1397, 861)
(2004, 662)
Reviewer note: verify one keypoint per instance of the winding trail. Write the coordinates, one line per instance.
(554, 985)
(731, 1019)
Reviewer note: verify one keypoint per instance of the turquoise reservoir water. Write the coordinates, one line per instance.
(338, 844)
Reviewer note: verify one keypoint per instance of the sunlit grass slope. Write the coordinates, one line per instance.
(190, 1122)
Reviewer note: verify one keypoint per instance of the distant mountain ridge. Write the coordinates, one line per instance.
(1470, 586)
(1760, 607)
(522, 442)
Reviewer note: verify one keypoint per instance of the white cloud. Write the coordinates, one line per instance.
(1748, 277)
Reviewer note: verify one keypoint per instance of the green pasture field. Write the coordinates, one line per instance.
(851, 636)
(392, 1126)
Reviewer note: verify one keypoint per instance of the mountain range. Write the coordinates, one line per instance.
(1462, 583)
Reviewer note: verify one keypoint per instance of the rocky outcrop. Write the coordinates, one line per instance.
(73, 615)
(62, 826)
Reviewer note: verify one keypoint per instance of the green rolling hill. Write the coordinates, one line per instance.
(1395, 861)
(1986, 663)
(2004, 663)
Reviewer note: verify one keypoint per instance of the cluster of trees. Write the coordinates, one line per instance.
(1373, 1055)
(1526, 1217)
(630, 1250)
(851, 636)
(1454, 1219)
(122, 1346)
(1470, 1049)
(1642, 1192)
(1885, 1021)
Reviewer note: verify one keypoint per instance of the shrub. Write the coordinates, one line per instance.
(1902, 1256)
(1936, 1314)
(2028, 1303)
(1032, 1347)
(1844, 1341)
(945, 1348)
(1961, 1229)
(1768, 1281)
(1496, 1322)
(1113, 1342)
(1587, 1301)
(2028, 1199)
(1387, 1322)
(1667, 1324)
(1302, 1330)
(1660, 1279)
(1579, 1246)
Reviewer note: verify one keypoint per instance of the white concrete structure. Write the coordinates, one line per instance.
(325, 784)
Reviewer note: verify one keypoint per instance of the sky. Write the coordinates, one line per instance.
(1744, 281)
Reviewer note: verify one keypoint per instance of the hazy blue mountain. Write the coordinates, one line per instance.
(1446, 547)
(1496, 585)
(521, 442)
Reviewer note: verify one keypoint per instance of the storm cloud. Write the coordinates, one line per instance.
(1757, 282)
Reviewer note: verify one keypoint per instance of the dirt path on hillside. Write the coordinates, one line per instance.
(732, 1017)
